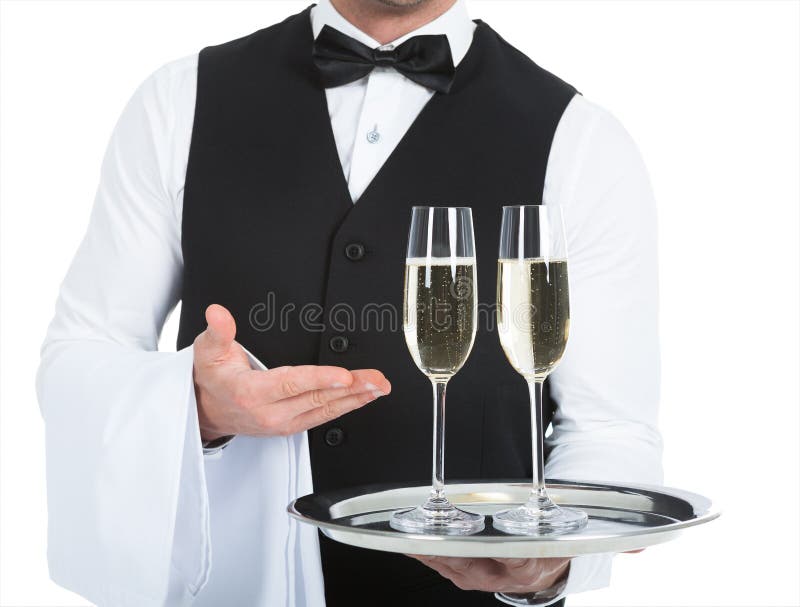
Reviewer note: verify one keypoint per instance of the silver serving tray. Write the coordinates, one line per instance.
(621, 518)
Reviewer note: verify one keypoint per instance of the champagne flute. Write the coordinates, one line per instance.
(440, 310)
(533, 324)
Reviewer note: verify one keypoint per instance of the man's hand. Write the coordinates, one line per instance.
(516, 576)
(232, 398)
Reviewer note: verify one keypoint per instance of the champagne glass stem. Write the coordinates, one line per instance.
(536, 388)
(437, 487)
(539, 515)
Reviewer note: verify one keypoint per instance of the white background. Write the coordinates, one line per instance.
(709, 90)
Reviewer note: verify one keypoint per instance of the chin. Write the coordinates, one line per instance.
(400, 3)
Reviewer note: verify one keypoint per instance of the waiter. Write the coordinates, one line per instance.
(266, 184)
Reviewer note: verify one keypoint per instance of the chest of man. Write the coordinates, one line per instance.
(270, 232)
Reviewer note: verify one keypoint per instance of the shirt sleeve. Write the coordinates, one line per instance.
(607, 385)
(127, 501)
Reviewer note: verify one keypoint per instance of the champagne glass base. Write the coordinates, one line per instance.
(437, 517)
(540, 516)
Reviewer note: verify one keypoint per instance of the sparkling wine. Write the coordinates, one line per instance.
(533, 313)
(440, 313)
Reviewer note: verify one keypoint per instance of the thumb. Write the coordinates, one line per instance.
(220, 333)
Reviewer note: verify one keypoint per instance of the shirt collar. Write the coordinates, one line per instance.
(454, 23)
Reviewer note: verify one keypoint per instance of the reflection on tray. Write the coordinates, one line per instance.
(601, 520)
(621, 518)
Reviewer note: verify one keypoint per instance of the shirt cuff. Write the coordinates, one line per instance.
(212, 447)
(587, 572)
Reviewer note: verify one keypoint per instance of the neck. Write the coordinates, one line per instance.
(385, 22)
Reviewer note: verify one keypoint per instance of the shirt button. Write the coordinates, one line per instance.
(334, 437)
(354, 251)
(374, 136)
(339, 343)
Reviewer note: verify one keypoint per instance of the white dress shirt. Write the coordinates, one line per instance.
(139, 517)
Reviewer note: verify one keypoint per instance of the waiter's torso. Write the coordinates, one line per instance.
(271, 233)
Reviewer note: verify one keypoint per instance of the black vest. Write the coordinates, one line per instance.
(268, 225)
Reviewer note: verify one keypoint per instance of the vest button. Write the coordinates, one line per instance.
(339, 343)
(334, 437)
(354, 251)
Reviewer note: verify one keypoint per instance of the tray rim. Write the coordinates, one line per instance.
(655, 535)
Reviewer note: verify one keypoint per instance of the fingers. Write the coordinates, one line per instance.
(467, 573)
(533, 574)
(306, 387)
(371, 377)
(311, 408)
(288, 382)
(221, 325)
(288, 400)
(364, 380)
(498, 575)
(215, 342)
(451, 567)
(523, 571)
(329, 411)
(437, 563)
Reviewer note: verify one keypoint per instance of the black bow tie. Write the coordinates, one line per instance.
(424, 59)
